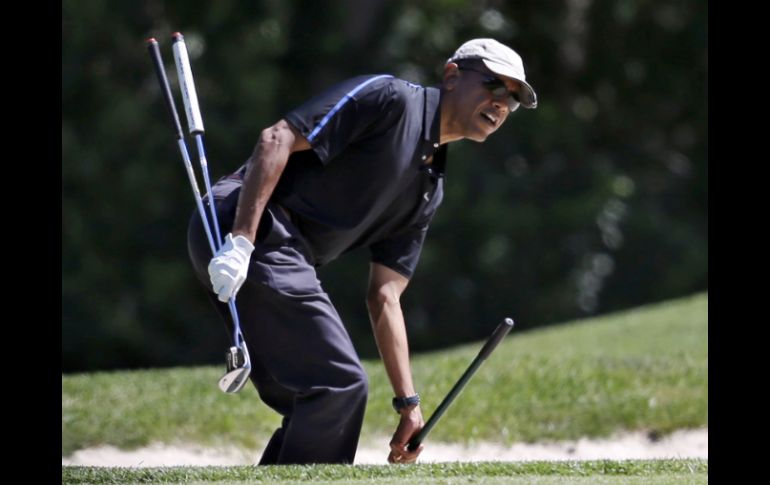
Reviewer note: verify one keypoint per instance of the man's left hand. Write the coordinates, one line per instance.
(411, 423)
(229, 266)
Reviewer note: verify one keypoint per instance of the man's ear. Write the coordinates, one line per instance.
(451, 74)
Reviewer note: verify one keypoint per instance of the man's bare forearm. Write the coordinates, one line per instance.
(390, 334)
(262, 174)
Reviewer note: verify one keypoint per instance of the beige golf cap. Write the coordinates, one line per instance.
(501, 60)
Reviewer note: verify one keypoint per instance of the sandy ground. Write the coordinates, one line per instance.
(681, 444)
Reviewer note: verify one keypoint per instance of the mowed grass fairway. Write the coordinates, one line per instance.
(542, 473)
(644, 369)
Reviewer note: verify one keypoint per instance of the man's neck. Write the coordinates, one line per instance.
(449, 129)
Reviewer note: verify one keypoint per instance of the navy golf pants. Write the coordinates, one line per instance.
(304, 365)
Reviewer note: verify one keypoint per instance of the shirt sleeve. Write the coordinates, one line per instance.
(349, 111)
(400, 252)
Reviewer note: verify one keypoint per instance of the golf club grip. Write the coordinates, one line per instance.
(414, 443)
(497, 336)
(187, 84)
(157, 61)
(500, 332)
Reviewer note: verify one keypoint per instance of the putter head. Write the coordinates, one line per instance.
(238, 370)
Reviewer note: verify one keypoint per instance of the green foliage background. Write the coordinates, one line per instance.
(596, 201)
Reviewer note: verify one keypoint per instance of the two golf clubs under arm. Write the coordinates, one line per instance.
(497, 336)
(237, 357)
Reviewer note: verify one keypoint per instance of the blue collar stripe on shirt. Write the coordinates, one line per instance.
(341, 103)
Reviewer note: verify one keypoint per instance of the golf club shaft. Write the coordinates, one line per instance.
(194, 117)
(157, 60)
(497, 336)
(160, 71)
(195, 126)
(154, 50)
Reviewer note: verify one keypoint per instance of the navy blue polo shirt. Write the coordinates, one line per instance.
(366, 182)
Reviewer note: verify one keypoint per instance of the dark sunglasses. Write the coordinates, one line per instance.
(497, 87)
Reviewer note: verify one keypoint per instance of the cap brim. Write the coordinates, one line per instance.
(527, 95)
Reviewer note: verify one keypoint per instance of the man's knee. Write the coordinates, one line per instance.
(360, 383)
(354, 386)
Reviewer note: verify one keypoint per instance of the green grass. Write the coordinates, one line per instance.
(572, 472)
(645, 369)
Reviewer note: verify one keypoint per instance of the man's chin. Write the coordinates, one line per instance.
(479, 133)
(479, 137)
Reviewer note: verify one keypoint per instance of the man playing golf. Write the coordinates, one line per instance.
(360, 165)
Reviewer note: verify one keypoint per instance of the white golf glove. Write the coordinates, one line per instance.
(229, 266)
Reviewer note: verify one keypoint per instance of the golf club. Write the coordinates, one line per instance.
(497, 336)
(238, 361)
(237, 358)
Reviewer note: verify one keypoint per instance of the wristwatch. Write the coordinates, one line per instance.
(400, 403)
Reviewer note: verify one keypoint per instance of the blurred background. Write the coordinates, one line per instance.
(595, 201)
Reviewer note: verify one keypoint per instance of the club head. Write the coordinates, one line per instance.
(238, 370)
